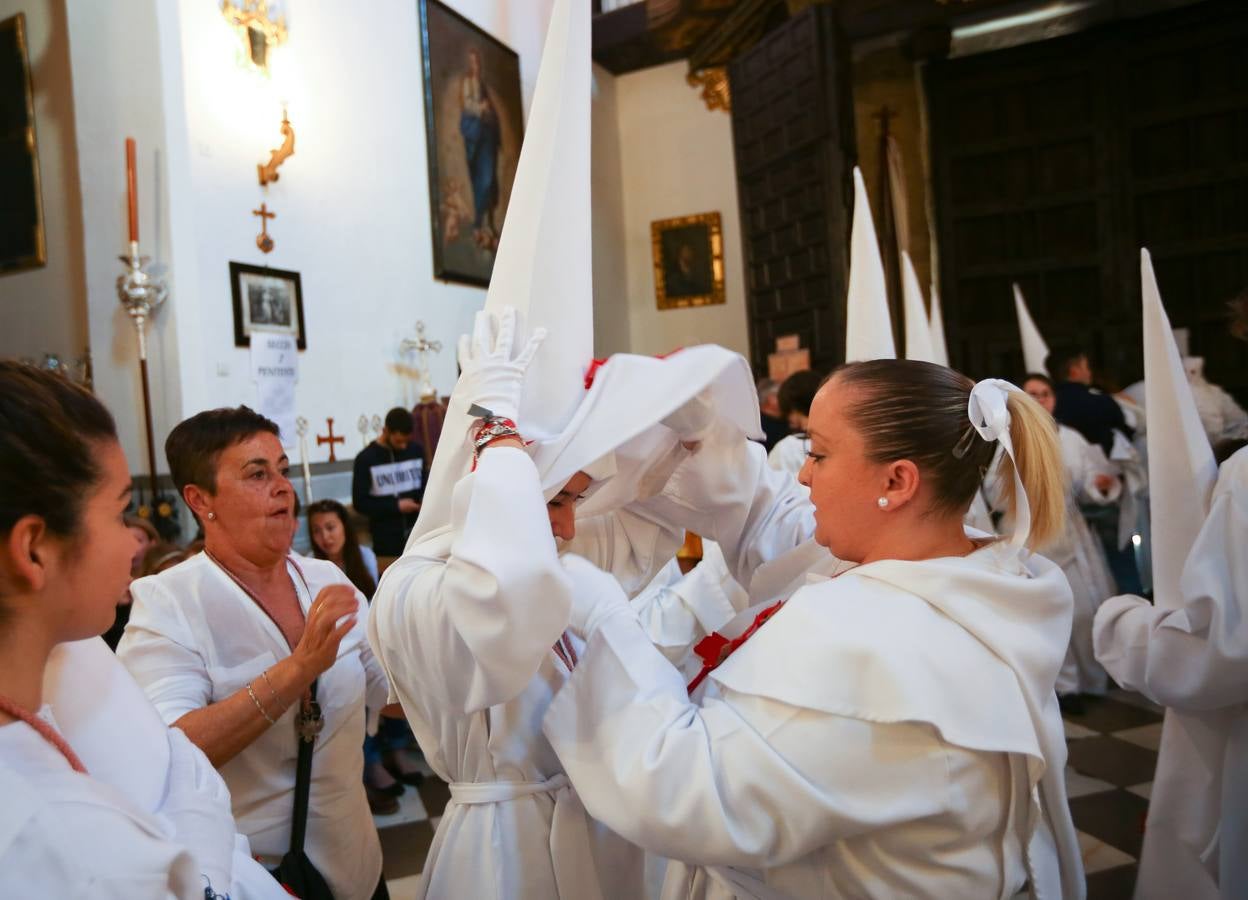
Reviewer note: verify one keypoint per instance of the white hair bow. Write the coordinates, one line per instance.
(989, 413)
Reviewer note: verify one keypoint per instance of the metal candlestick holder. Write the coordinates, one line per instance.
(141, 294)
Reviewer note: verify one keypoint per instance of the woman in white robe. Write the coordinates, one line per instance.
(891, 731)
(226, 645)
(1193, 657)
(1091, 479)
(470, 624)
(64, 563)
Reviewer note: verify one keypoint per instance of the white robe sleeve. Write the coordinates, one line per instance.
(678, 610)
(471, 630)
(740, 781)
(1085, 462)
(727, 492)
(630, 544)
(161, 652)
(1193, 657)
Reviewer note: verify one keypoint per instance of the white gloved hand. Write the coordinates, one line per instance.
(197, 804)
(693, 421)
(491, 377)
(596, 596)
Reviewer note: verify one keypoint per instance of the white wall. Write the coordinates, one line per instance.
(352, 203)
(43, 310)
(676, 159)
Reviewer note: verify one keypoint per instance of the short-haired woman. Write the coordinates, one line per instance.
(228, 644)
(65, 556)
(889, 731)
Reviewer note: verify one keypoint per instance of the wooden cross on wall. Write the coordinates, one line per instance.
(331, 440)
(263, 241)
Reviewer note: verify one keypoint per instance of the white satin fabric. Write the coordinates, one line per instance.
(1190, 653)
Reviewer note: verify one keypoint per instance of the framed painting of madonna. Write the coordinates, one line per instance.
(474, 124)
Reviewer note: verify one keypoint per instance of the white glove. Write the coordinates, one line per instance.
(596, 596)
(491, 377)
(693, 421)
(197, 804)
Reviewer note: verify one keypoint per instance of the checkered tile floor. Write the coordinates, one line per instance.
(1109, 777)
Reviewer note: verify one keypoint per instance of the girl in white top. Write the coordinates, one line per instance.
(227, 644)
(1091, 479)
(64, 563)
(891, 731)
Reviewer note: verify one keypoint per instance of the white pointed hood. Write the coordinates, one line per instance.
(1181, 467)
(918, 331)
(1035, 350)
(544, 270)
(940, 348)
(868, 327)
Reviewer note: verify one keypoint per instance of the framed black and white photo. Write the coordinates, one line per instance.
(266, 300)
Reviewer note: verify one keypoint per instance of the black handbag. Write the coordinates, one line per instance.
(296, 873)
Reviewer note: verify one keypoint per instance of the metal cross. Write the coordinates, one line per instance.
(423, 347)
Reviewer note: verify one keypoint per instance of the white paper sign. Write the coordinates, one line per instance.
(275, 367)
(396, 478)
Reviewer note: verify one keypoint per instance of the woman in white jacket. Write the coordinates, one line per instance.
(1090, 479)
(890, 731)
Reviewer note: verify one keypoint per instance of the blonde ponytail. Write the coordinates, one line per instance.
(1039, 457)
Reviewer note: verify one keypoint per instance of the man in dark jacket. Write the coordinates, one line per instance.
(1079, 406)
(387, 485)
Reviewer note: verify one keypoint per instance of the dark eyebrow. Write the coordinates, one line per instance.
(258, 461)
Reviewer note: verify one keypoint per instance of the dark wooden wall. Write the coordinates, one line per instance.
(1055, 162)
(793, 138)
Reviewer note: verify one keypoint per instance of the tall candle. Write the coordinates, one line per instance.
(132, 190)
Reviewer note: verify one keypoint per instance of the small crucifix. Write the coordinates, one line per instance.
(263, 241)
(423, 347)
(331, 440)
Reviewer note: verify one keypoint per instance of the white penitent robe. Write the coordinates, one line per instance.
(1082, 558)
(948, 775)
(195, 638)
(465, 625)
(789, 454)
(1193, 658)
(64, 834)
(926, 794)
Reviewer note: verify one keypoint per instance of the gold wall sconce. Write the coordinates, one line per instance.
(268, 171)
(259, 32)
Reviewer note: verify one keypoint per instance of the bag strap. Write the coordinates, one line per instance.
(303, 783)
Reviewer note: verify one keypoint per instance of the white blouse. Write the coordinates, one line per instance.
(195, 638)
(64, 834)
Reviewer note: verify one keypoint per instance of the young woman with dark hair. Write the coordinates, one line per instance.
(889, 728)
(65, 558)
(333, 538)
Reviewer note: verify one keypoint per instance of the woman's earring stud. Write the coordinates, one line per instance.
(882, 503)
(213, 515)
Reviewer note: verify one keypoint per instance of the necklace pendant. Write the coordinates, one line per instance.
(309, 723)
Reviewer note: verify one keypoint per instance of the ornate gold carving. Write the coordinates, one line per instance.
(268, 171)
(258, 31)
(713, 81)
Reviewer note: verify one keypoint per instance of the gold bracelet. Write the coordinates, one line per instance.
(252, 695)
(272, 690)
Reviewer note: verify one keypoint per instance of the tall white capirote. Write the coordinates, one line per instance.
(918, 331)
(868, 326)
(940, 348)
(1035, 350)
(1181, 467)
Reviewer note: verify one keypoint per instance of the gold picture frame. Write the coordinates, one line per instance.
(22, 240)
(688, 260)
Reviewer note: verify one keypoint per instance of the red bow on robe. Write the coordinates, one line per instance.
(715, 648)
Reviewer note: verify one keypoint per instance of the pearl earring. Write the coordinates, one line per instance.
(213, 515)
(882, 503)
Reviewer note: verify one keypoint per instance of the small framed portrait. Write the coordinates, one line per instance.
(688, 261)
(266, 300)
(21, 211)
